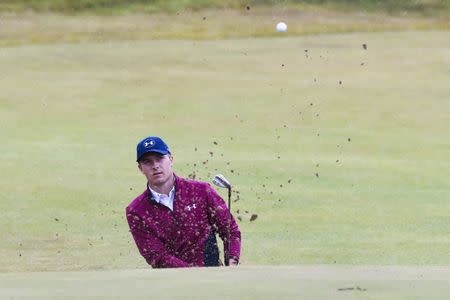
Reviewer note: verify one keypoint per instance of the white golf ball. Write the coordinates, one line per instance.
(281, 27)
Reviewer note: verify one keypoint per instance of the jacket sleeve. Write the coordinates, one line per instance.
(150, 247)
(218, 216)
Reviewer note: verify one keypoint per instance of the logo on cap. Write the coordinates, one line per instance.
(149, 143)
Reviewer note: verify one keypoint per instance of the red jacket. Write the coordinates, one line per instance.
(184, 237)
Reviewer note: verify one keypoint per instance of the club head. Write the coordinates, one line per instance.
(221, 181)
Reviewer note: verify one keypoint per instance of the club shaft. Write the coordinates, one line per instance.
(227, 244)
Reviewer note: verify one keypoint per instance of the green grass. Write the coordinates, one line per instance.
(71, 114)
(51, 21)
(422, 7)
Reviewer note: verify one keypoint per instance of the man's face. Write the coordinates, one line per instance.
(157, 168)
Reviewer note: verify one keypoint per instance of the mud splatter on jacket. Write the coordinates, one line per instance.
(184, 237)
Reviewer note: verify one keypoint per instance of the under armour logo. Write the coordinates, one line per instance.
(189, 207)
(149, 143)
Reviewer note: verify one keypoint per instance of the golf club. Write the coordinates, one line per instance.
(222, 182)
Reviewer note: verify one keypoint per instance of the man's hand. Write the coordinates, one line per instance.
(233, 262)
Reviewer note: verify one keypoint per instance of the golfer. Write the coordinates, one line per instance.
(175, 220)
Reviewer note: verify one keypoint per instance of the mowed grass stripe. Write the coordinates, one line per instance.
(42, 28)
(318, 282)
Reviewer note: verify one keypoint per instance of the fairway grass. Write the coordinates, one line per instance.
(44, 28)
(342, 152)
(288, 282)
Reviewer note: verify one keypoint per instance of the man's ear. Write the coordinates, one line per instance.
(140, 167)
(171, 159)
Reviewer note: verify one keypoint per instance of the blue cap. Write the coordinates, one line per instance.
(151, 144)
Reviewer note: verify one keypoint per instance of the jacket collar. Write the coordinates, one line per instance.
(175, 184)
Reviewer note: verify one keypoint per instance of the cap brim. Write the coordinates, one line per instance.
(162, 152)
